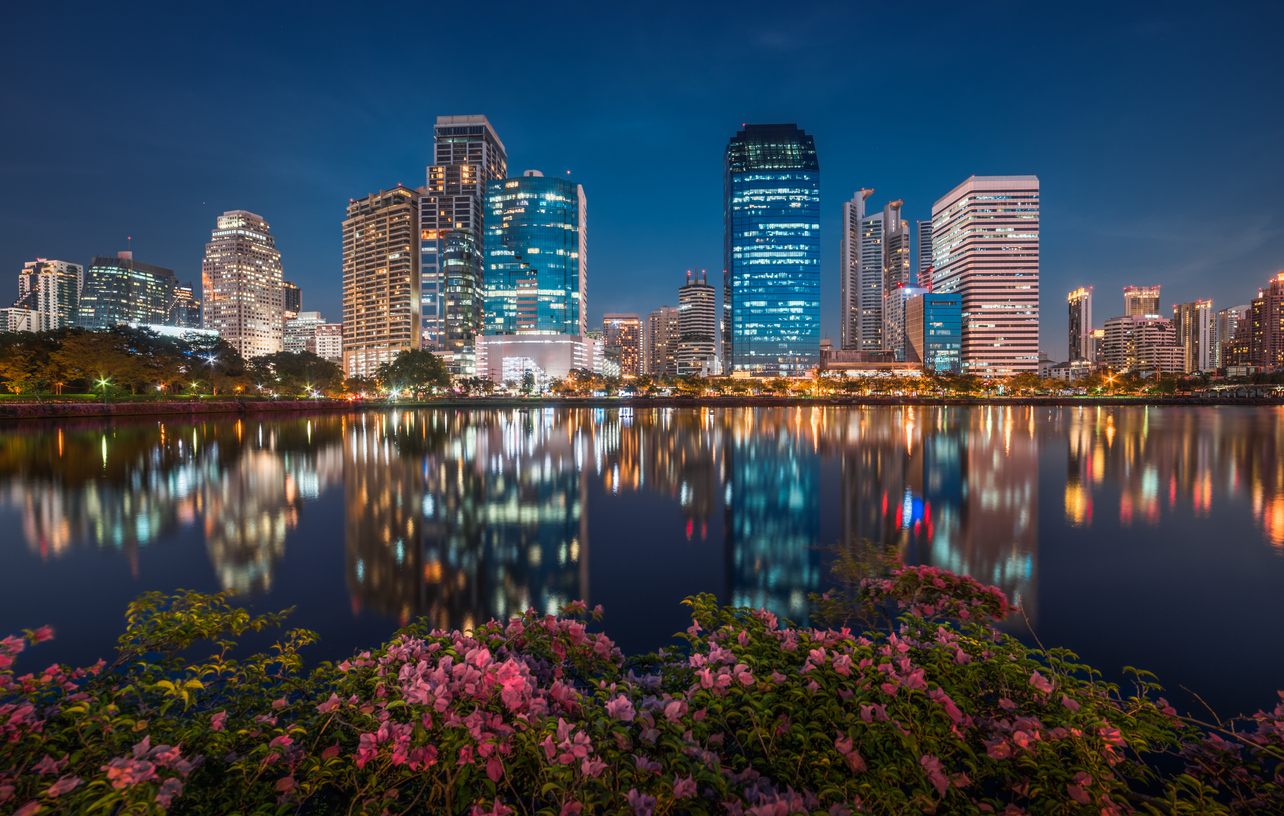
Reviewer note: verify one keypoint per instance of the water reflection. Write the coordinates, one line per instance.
(461, 516)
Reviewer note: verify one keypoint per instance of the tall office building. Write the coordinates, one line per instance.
(771, 251)
(292, 299)
(242, 280)
(301, 328)
(897, 273)
(536, 279)
(1081, 325)
(861, 276)
(1128, 340)
(452, 227)
(1193, 325)
(184, 308)
(623, 332)
(121, 290)
(1141, 300)
(663, 332)
(1224, 329)
(52, 290)
(697, 327)
(934, 332)
(924, 254)
(380, 280)
(985, 249)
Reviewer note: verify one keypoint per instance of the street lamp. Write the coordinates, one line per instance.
(103, 382)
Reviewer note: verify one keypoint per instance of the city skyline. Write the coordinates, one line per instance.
(324, 134)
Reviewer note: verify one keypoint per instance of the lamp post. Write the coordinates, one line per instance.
(103, 382)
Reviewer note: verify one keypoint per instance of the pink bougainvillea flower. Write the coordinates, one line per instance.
(495, 768)
(592, 768)
(125, 773)
(571, 809)
(63, 785)
(1078, 794)
(329, 705)
(932, 766)
(683, 786)
(217, 720)
(49, 765)
(621, 708)
(42, 634)
(1040, 682)
(497, 809)
(29, 809)
(284, 784)
(642, 804)
(169, 790)
(1068, 703)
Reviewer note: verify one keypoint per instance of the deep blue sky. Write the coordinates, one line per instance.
(1155, 129)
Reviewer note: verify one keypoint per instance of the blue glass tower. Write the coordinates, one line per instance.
(934, 332)
(536, 269)
(771, 252)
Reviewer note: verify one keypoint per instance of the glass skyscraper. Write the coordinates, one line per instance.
(536, 269)
(771, 249)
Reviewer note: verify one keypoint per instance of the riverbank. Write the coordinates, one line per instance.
(76, 410)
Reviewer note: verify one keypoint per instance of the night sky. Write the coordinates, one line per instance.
(1156, 129)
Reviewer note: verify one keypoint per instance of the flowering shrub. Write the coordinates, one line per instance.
(538, 714)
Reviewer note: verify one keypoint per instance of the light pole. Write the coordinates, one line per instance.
(103, 382)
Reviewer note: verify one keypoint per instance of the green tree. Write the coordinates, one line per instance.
(528, 381)
(418, 371)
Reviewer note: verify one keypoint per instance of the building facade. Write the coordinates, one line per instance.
(697, 327)
(300, 328)
(924, 254)
(291, 299)
(861, 276)
(894, 327)
(623, 332)
(934, 332)
(1224, 328)
(1266, 318)
(1141, 300)
(985, 250)
(663, 331)
(19, 319)
(1193, 326)
(52, 290)
(327, 342)
(452, 228)
(184, 308)
(898, 272)
(242, 279)
(1128, 338)
(122, 290)
(536, 256)
(1081, 347)
(771, 249)
(381, 295)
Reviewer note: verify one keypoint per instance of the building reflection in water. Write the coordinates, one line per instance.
(462, 516)
(127, 485)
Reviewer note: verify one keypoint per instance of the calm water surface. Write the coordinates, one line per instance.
(1151, 537)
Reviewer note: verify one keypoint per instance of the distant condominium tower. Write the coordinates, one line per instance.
(452, 227)
(623, 332)
(924, 229)
(1224, 329)
(1193, 324)
(1266, 325)
(121, 290)
(1141, 300)
(52, 290)
(771, 251)
(897, 273)
(292, 299)
(184, 308)
(1130, 340)
(985, 248)
(697, 327)
(380, 280)
(536, 256)
(1081, 346)
(861, 276)
(242, 281)
(663, 332)
(894, 327)
(301, 328)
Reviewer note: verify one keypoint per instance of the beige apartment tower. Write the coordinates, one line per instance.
(624, 332)
(243, 285)
(380, 280)
(663, 330)
(985, 248)
(1141, 300)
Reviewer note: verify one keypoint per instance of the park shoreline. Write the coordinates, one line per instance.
(75, 410)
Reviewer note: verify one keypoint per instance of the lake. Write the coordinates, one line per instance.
(1142, 536)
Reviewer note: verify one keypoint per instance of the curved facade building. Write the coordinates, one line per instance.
(771, 249)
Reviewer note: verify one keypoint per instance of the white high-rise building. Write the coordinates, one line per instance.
(697, 325)
(861, 276)
(897, 274)
(985, 247)
(243, 281)
(51, 289)
(1193, 323)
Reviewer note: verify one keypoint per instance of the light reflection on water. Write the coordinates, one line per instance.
(461, 516)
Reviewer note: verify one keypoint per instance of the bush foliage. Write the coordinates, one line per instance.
(926, 708)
